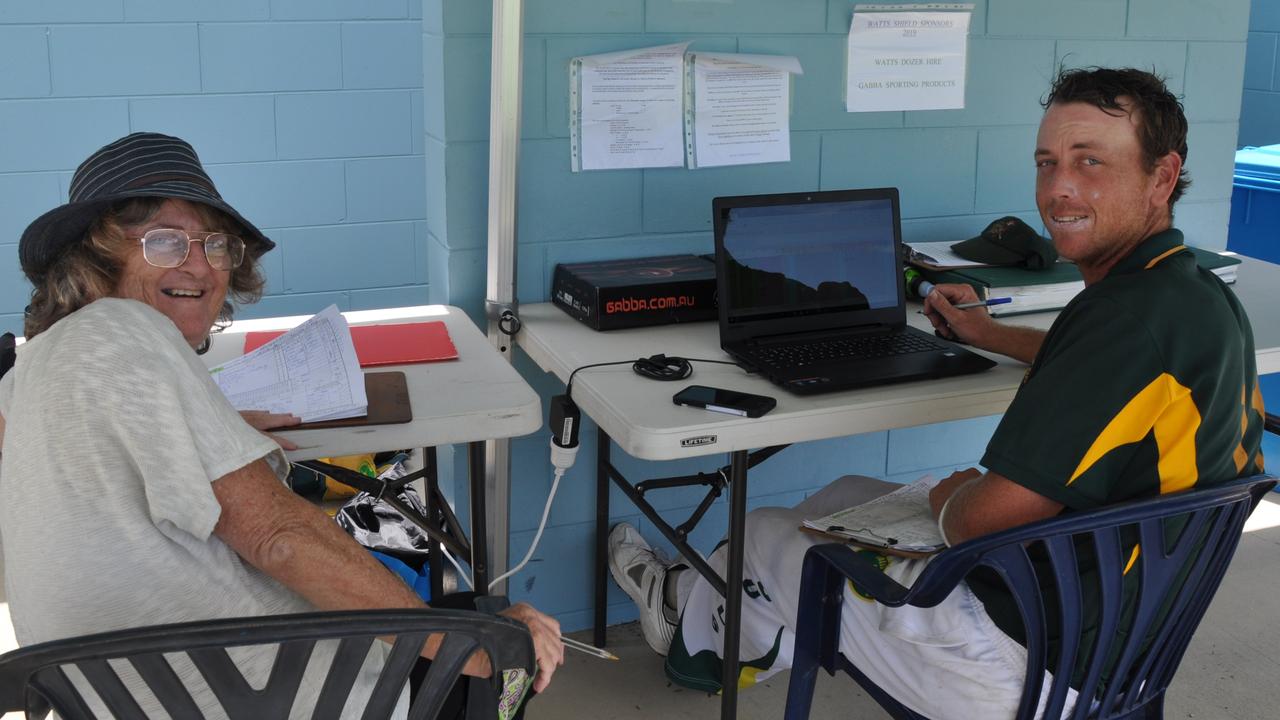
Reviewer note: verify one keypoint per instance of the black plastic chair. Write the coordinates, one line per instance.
(8, 352)
(34, 678)
(1186, 574)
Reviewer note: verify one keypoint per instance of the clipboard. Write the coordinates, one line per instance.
(885, 549)
(388, 396)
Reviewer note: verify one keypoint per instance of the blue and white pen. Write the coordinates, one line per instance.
(981, 303)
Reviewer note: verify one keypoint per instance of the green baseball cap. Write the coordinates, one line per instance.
(1009, 242)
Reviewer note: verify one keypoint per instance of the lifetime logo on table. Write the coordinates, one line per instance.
(698, 440)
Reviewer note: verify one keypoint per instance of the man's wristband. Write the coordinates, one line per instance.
(942, 515)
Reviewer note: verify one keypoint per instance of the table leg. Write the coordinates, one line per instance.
(733, 583)
(431, 500)
(479, 546)
(602, 538)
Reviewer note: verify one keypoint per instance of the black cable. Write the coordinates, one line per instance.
(661, 367)
(656, 367)
(568, 387)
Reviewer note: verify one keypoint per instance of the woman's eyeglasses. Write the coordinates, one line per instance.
(169, 248)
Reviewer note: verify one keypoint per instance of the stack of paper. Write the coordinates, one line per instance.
(1224, 265)
(938, 256)
(900, 520)
(310, 371)
(1031, 290)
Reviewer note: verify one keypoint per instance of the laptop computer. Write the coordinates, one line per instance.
(811, 293)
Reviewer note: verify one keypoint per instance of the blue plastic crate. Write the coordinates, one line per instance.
(1255, 204)
(1255, 231)
(1270, 385)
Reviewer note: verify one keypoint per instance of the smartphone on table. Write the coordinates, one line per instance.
(730, 402)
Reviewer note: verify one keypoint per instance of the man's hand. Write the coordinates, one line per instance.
(262, 421)
(547, 646)
(983, 503)
(943, 491)
(969, 326)
(975, 326)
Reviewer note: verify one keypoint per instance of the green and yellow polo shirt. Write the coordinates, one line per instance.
(1146, 383)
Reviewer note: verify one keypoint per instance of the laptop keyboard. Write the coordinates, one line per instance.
(858, 347)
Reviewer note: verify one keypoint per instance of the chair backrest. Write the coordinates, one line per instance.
(35, 678)
(1184, 543)
(8, 352)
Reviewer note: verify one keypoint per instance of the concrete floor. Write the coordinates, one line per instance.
(1228, 673)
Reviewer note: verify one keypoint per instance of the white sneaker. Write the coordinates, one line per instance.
(639, 572)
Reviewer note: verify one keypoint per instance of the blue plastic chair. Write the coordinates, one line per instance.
(34, 679)
(1214, 519)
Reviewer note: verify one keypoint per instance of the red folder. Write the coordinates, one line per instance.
(385, 344)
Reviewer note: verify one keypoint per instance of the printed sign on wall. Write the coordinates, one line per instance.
(907, 57)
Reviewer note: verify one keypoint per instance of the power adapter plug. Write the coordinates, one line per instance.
(564, 422)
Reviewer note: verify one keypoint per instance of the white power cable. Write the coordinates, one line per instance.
(562, 458)
(542, 524)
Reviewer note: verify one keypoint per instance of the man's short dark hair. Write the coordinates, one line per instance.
(1162, 125)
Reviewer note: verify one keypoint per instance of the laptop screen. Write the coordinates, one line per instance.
(809, 258)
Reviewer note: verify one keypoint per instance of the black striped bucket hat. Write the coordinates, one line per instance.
(138, 165)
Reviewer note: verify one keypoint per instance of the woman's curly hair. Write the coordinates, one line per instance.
(91, 269)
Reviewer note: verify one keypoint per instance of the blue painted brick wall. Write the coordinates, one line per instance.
(957, 169)
(1260, 110)
(270, 56)
(122, 59)
(307, 113)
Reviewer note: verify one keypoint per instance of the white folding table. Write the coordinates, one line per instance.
(639, 416)
(477, 397)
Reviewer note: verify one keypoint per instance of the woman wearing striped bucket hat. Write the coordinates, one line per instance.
(161, 486)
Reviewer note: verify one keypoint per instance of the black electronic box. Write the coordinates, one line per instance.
(613, 294)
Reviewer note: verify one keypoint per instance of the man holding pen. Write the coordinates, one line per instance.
(1137, 354)
(1145, 384)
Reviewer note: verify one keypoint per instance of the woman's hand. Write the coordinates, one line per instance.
(547, 646)
(262, 421)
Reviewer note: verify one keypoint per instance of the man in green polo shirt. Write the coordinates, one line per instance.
(1145, 384)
